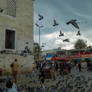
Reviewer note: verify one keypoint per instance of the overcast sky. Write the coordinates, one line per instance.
(63, 11)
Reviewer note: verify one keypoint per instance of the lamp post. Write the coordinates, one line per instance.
(39, 36)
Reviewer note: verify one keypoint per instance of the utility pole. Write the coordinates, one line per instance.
(39, 37)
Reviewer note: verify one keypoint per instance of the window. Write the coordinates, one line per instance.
(11, 8)
(10, 39)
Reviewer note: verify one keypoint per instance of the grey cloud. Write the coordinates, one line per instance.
(63, 11)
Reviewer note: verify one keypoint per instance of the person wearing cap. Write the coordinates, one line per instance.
(10, 86)
(14, 69)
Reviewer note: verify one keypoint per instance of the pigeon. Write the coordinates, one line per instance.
(78, 33)
(61, 34)
(55, 23)
(42, 46)
(66, 40)
(2, 80)
(27, 42)
(73, 22)
(39, 26)
(76, 90)
(1, 10)
(40, 17)
(89, 90)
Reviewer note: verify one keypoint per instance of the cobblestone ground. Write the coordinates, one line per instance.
(74, 82)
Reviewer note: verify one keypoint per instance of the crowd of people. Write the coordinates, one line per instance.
(61, 68)
(53, 69)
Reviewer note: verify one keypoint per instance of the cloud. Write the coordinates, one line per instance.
(82, 9)
(62, 11)
(53, 40)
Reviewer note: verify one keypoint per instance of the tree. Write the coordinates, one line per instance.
(89, 46)
(36, 51)
(80, 44)
(59, 48)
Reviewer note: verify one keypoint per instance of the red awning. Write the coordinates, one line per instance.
(53, 58)
(63, 58)
(70, 58)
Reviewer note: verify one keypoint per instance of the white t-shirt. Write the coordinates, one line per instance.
(13, 89)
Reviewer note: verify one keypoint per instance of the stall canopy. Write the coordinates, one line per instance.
(63, 58)
(48, 56)
(53, 58)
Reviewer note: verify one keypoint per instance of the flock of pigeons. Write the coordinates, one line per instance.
(73, 22)
(55, 23)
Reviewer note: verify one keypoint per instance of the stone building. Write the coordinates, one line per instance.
(16, 33)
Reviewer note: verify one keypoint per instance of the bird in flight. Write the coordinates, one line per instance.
(66, 40)
(42, 46)
(61, 33)
(39, 25)
(73, 22)
(55, 23)
(40, 17)
(78, 33)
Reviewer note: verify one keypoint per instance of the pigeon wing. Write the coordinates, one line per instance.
(75, 25)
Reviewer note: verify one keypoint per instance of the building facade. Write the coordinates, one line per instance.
(16, 33)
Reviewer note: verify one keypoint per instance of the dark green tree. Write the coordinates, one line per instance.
(80, 44)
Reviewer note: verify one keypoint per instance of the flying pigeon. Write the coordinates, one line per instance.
(78, 33)
(61, 34)
(66, 40)
(40, 17)
(74, 23)
(39, 26)
(42, 46)
(55, 23)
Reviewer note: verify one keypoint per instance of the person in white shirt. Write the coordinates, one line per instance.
(10, 86)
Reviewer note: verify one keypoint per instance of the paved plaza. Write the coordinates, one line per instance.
(74, 82)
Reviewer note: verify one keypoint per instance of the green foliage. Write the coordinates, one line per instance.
(80, 44)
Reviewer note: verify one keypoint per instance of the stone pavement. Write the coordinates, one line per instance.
(74, 82)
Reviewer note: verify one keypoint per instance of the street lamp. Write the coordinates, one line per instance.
(39, 36)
